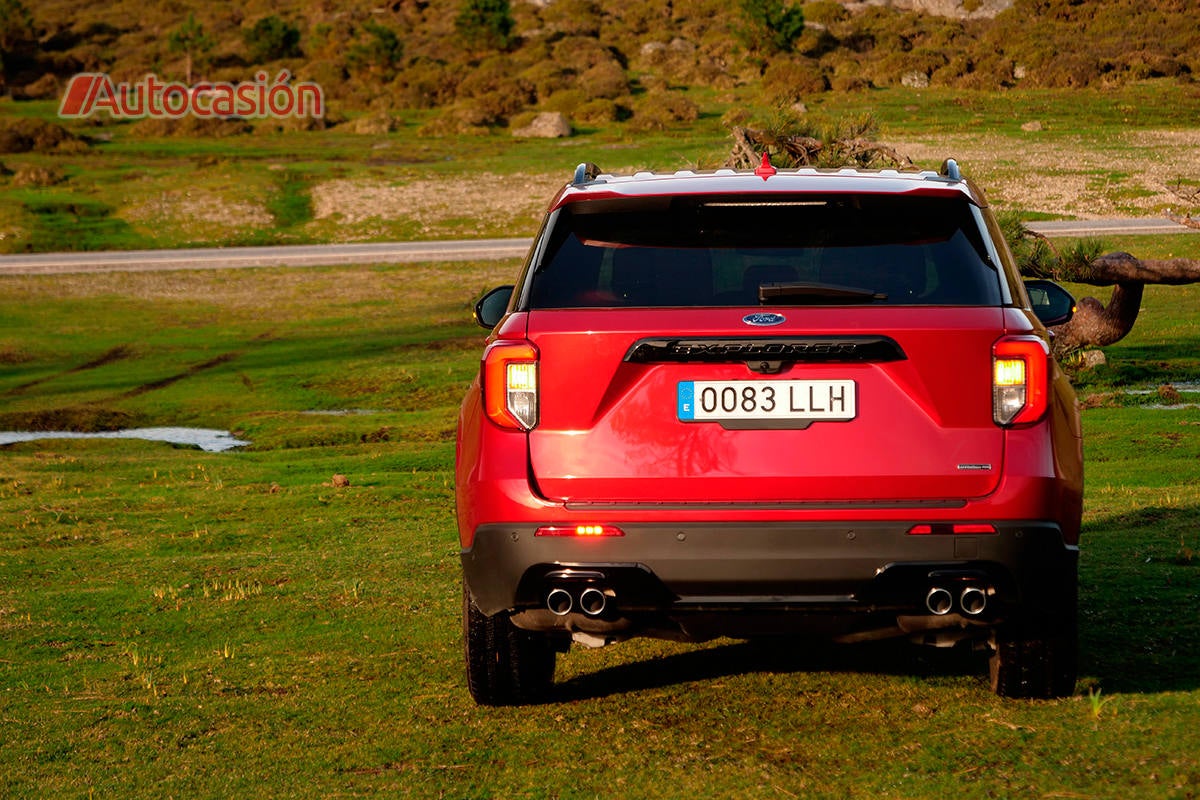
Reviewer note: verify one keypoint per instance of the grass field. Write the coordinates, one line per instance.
(1095, 152)
(183, 624)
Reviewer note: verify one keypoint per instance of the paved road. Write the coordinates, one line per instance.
(1109, 227)
(407, 252)
(312, 255)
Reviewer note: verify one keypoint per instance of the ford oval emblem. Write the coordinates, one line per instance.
(763, 319)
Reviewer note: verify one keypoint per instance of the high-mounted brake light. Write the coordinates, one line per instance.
(587, 531)
(1020, 378)
(510, 384)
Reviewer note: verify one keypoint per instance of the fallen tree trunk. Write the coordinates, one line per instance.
(1096, 324)
(798, 150)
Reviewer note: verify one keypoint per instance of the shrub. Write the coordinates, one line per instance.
(849, 83)
(491, 93)
(565, 101)
(788, 81)
(658, 111)
(271, 38)
(31, 175)
(825, 12)
(597, 112)
(546, 78)
(573, 17)
(379, 55)
(493, 108)
(23, 135)
(579, 53)
(769, 25)
(485, 24)
(426, 84)
(44, 88)
(606, 80)
(456, 120)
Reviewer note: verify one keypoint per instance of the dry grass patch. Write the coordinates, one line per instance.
(1082, 177)
(490, 200)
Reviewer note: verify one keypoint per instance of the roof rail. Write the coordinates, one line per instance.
(950, 169)
(585, 173)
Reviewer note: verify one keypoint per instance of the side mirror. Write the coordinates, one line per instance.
(491, 307)
(1052, 304)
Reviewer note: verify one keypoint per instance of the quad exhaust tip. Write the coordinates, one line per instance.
(972, 601)
(939, 601)
(591, 601)
(560, 602)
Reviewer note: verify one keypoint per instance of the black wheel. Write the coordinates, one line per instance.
(505, 665)
(1039, 657)
(1034, 667)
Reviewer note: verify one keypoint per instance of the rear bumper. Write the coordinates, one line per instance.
(733, 575)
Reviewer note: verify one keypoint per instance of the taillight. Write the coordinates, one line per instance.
(1020, 378)
(510, 384)
(587, 531)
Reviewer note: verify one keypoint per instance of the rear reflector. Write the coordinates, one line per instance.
(588, 531)
(955, 528)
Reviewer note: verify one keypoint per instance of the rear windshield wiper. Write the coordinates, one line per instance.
(815, 294)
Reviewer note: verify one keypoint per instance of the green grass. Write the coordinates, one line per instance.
(177, 623)
(261, 188)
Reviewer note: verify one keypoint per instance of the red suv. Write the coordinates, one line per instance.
(754, 403)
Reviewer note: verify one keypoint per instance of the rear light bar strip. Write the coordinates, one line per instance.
(960, 528)
(583, 531)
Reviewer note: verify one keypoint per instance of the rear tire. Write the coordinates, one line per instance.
(1039, 658)
(505, 665)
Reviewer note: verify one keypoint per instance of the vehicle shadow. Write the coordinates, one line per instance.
(1139, 629)
(774, 656)
(1139, 598)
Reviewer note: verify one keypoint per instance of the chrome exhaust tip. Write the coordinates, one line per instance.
(592, 601)
(559, 602)
(939, 601)
(973, 600)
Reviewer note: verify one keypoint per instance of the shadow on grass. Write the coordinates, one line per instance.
(775, 656)
(1139, 626)
(1139, 595)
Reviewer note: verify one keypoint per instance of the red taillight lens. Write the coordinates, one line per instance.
(1020, 380)
(960, 528)
(510, 384)
(586, 531)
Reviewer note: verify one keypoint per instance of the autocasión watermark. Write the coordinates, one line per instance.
(89, 93)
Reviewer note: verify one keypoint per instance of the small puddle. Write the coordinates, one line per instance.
(211, 441)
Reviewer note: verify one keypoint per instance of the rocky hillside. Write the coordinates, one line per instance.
(487, 63)
(957, 9)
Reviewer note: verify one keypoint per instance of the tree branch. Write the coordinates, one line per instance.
(1097, 325)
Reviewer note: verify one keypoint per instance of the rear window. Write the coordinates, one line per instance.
(722, 251)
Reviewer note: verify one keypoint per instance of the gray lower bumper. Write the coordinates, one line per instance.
(850, 567)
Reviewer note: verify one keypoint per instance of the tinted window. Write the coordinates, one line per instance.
(698, 251)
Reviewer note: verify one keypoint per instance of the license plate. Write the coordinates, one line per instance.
(766, 401)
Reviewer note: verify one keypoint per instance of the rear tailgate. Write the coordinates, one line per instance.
(918, 424)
